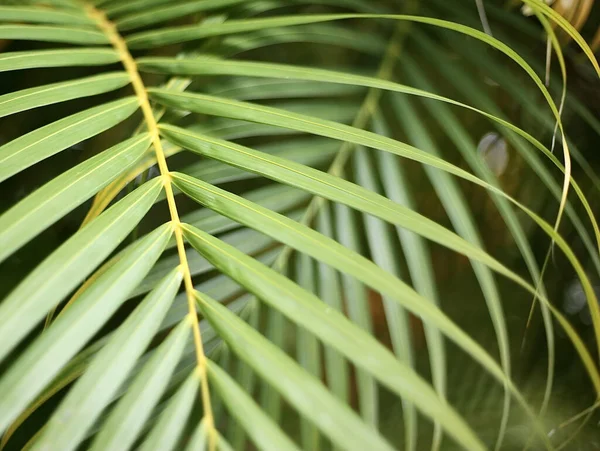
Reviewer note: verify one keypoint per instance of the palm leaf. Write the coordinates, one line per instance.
(255, 349)
(240, 163)
(107, 371)
(57, 58)
(170, 424)
(32, 14)
(66, 336)
(59, 196)
(46, 141)
(56, 276)
(124, 422)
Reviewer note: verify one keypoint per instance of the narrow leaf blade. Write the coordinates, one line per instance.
(64, 269)
(128, 417)
(38, 365)
(96, 388)
(26, 99)
(57, 58)
(263, 431)
(51, 139)
(65, 192)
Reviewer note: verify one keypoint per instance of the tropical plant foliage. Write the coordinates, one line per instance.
(263, 187)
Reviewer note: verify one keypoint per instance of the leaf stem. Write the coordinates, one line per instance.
(140, 91)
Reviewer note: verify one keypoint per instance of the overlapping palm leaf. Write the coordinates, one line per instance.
(257, 194)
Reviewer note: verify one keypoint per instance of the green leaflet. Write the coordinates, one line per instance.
(308, 351)
(358, 311)
(118, 9)
(172, 11)
(275, 331)
(357, 5)
(62, 194)
(220, 287)
(246, 240)
(462, 219)
(302, 390)
(324, 185)
(109, 369)
(70, 5)
(381, 247)
(43, 359)
(281, 118)
(336, 189)
(223, 445)
(304, 151)
(330, 291)
(310, 151)
(46, 141)
(174, 35)
(242, 88)
(42, 15)
(199, 439)
(279, 198)
(417, 257)
(26, 99)
(128, 417)
(457, 133)
(71, 35)
(166, 432)
(66, 267)
(335, 110)
(333, 329)
(57, 58)
(208, 65)
(315, 34)
(70, 372)
(451, 330)
(244, 375)
(263, 431)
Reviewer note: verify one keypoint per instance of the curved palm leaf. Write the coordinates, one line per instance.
(140, 354)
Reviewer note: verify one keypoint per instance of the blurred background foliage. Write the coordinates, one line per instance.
(429, 58)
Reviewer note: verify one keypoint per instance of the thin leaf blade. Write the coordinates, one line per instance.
(65, 192)
(95, 389)
(263, 431)
(128, 417)
(52, 350)
(46, 141)
(70, 264)
(26, 99)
